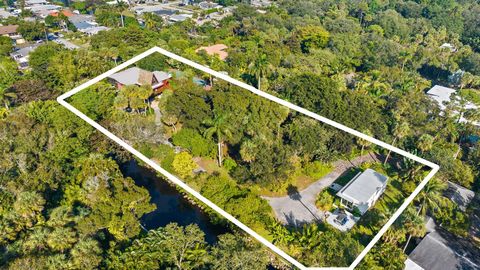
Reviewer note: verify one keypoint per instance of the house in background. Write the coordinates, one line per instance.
(445, 95)
(158, 80)
(21, 55)
(440, 250)
(363, 190)
(461, 196)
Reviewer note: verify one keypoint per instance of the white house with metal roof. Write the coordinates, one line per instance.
(445, 95)
(363, 190)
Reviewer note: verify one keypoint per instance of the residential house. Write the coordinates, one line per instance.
(445, 95)
(9, 30)
(179, 17)
(459, 195)
(441, 250)
(5, 14)
(20, 55)
(217, 49)
(86, 24)
(363, 190)
(206, 5)
(158, 80)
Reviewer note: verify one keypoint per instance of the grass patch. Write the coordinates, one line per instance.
(347, 176)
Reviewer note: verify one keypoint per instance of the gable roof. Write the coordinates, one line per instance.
(440, 250)
(441, 95)
(138, 76)
(363, 186)
(8, 29)
(460, 195)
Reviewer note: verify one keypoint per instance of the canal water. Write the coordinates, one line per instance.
(171, 205)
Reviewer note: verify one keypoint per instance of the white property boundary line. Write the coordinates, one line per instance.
(177, 181)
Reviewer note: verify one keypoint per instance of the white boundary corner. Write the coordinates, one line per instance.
(177, 181)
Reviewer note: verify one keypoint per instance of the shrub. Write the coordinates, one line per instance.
(324, 201)
(184, 165)
(229, 164)
(195, 143)
(317, 169)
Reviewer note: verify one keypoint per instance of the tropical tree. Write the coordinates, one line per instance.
(399, 131)
(431, 197)
(183, 164)
(425, 142)
(260, 67)
(6, 97)
(413, 224)
(364, 143)
(220, 127)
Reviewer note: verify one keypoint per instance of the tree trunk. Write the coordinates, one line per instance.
(408, 241)
(220, 153)
(389, 152)
(361, 151)
(258, 83)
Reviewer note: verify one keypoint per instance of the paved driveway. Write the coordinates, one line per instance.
(300, 208)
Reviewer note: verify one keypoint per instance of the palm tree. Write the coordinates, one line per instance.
(425, 142)
(414, 226)
(364, 143)
(152, 21)
(220, 127)
(260, 68)
(401, 130)
(5, 96)
(431, 196)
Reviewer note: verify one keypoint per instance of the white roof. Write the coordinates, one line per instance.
(441, 95)
(363, 186)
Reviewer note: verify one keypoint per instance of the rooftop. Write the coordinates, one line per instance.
(440, 250)
(363, 186)
(138, 76)
(459, 195)
(8, 29)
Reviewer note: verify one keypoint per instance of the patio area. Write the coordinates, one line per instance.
(341, 219)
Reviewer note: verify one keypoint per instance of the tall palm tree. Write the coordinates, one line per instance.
(260, 68)
(400, 131)
(220, 127)
(364, 143)
(6, 96)
(431, 197)
(414, 226)
(425, 142)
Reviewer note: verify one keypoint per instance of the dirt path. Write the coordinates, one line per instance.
(158, 114)
(300, 209)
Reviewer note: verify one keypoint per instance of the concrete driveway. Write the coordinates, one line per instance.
(300, 208)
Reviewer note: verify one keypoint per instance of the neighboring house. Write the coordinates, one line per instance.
(5, 14)
(217, 49)
(363, 190)
(179, 17)
(9, 30)
(86, 24)
(440, 250)
(205, 5)
(459, 195)
(445, 95)
(21, 55)
(30, 3)
(158, 80)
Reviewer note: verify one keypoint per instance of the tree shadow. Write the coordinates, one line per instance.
(295, 195)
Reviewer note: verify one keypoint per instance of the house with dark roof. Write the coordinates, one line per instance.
(461, 196)
(363, 190)
(441, 250)
(158, 80)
